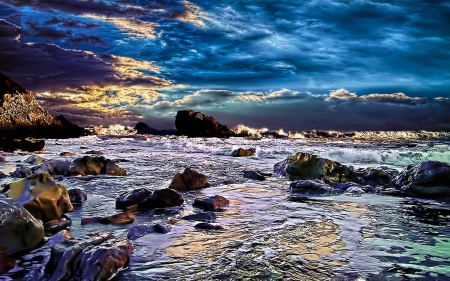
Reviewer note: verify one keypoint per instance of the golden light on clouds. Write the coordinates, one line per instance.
(192, 14)
(134, 27)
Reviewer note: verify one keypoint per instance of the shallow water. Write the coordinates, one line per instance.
(266, 236)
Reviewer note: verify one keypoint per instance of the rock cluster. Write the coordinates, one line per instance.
(195, 124)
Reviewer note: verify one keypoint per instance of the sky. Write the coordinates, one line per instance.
(287, 64)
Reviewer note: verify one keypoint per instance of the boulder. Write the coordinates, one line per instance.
(66, 153)
(207, 216)
(309, 166)
(29, 188)
(88, 165)
(196, 124)
(208, 226)
(137, 231)
(94, 260)
(213, 203)
(241, 152)
(77, 196)
(97, 152)
(34, 160)
(146, 199)
(311, 187)
(426, 179)
(18, 229)
(6, 263)
(254, 175)
(54, 167)
(381, 176)
(189, 180)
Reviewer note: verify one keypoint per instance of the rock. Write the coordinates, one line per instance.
(50, 204)
(77, 196)
(208, 216)
(22, 172)
(6, 263)
(66, 153)
(311, 187)
(18, 229)
(309, 166)
(121, 218)
(189, 180)
(29, 188)
(208, 226)
(3, 159)
(213, 203)
(88, 165)
(426, 179)
(144, 129)
(254, 175)
(241, 152)
(54, 167)
(97, 152)
(58, 224)
(195, 124)
(94, 260)
(21, 116)
(35, 159)
(352, 187)
(59, 238)
(376, 176)
(31, 145)
(137, 231)
(146, 199)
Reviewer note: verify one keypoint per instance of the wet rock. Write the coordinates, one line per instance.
(6, 263)
(189, 180)
(18, 229)
(213, 203)
(376, 176)
(208, 226)
(146, 199)
(352, 187)
(426, 179)
(309, 166)
(34, 160)
(58, 224)
(22, 172)
(50, 204)
(66, 153)
(59, 238)
(208, 217)
(241, 152)
(121, 218)
(94, 260)
(27, 189)
(254, 175)
(88, 165)
(54, 167)
(77, 196)
(97, 152)
(311, 187)
(3, 159)
(196, 124)
(137, 231)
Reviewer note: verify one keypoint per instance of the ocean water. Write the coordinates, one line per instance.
(266, 236)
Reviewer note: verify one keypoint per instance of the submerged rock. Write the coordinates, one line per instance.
(88, 165)
(18, 229)
(208, 226)
(97, 152)
(213, 203)
(121, 218)
(254, 175)
(137, 231)
(241, 152)
(309, 166)
(196, 124)
(426, 179)
(311, 187)
(77, 196)
(189, 180)
(66, 153)
(146, 199)
(208, 216)
(94, 260)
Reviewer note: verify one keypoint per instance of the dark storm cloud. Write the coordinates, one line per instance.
(68, 22)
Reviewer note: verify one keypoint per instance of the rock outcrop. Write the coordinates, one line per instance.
(144, 129)
(21, 116)
(195, 124)
(18, 229)
(93, 260)
(305, 166)
(88, 165)
(145, 199)
(241, 152)
(189, 180)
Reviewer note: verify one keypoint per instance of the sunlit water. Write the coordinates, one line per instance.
(266, 236)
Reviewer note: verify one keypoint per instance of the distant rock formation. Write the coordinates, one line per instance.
(144, 129)
(21, 116)
(195, 124)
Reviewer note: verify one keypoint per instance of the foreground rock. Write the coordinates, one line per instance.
(77, 196)
(94, 260)
(426, 179)
(88, 165)
(18, 229)
(241, 152)
(309, 166)
(196, 124)
(27, 189)
(213, 203)
(311, 187)
(189, 180)
(146, 199)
